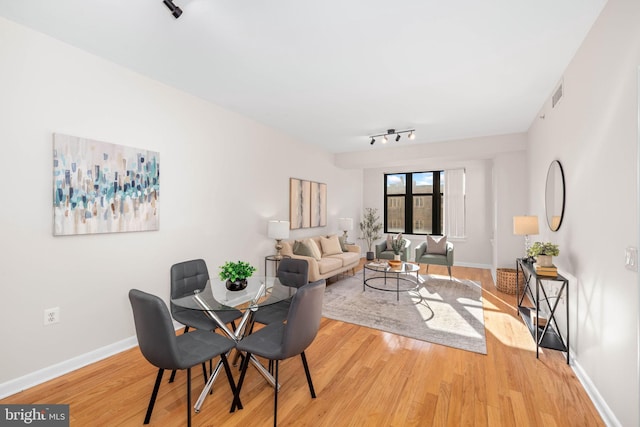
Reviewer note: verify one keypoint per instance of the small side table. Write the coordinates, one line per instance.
(276, 260)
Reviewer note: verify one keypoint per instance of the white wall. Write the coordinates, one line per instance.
(593, 131)
(510, 195)
(223, 177)
(475, 156)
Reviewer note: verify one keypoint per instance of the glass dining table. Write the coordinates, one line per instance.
(261, 291)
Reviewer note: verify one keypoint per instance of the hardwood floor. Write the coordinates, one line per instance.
(362, 377)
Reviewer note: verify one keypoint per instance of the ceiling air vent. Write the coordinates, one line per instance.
(557, 95)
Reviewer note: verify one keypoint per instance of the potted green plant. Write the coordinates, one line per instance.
(397, 245)
(370, 228)
(236, 274)
(543, 252)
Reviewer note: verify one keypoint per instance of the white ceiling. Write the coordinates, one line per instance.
(334, 72)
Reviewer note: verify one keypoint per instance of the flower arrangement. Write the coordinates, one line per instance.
(233, 271)
(546, 248)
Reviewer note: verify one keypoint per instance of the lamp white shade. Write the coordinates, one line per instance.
(525, 225)
(278, 230)
(345, 224)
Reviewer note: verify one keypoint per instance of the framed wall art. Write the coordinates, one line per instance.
(307, 204)
(100, 187)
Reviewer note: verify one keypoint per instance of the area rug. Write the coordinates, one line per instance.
(440, 311)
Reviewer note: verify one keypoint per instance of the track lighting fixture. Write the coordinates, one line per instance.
(397, 133)
(175, 10)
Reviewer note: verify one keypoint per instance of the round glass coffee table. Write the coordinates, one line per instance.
(403, 276)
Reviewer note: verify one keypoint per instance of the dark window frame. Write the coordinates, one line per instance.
(437, 200)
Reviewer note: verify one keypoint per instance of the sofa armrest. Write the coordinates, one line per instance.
(380, 247)
(420, 250)
(450, 253)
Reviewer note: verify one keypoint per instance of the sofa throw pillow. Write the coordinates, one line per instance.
(330, 245)
(317, 253)
(343, 244)
(437, 245)
(299, 248)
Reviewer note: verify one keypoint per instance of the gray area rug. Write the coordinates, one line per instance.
(440, 311)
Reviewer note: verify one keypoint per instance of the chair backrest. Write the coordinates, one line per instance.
(293, 272)
(186, 277)
(303, 320)
(154, 328)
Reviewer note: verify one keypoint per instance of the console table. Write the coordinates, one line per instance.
(547, 336)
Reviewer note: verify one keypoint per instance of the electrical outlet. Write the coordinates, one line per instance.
(51, 316)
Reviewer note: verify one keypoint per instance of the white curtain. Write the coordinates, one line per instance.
(454, 203)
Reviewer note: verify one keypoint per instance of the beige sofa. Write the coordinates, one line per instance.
(328, 265)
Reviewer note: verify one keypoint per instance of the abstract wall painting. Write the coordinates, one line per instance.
(299, 203)
(318, 204)
(307, 204)
(100, 187)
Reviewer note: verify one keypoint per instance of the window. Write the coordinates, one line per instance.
(418, 203)
(414, 190)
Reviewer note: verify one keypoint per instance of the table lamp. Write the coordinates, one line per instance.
(525, 226)
(278, 230)
(345, 224)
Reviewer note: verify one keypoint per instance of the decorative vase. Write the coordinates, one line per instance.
(370, 256)
(237, 285)
(544, 260)
(396, 257)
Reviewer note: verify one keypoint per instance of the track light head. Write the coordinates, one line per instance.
(373, 140)
(397, 137)
(385, 139)
(175, 10)
(412, 136)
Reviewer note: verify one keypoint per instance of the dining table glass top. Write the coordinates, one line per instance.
(260, 291)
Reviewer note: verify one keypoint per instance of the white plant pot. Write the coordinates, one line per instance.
(396, 257)
(544, 260)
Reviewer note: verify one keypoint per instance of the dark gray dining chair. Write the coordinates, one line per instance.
(280, 341)
(293, 273)
(165, 350)
(186, 277)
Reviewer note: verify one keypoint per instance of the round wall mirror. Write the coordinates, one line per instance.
(554, 196)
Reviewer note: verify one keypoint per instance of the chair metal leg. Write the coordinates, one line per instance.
(227, 369)
(427, 268)
(243, 371)
(189, 397)
(306, 371)
(449, 268)
(154, 394)
(275, 397)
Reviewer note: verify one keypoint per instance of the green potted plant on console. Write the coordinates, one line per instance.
(543, 252)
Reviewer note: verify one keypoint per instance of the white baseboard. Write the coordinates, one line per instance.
(603, 409)
(43, 375)
(38, 377)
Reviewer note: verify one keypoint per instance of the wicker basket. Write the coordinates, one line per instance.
(507, 280)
